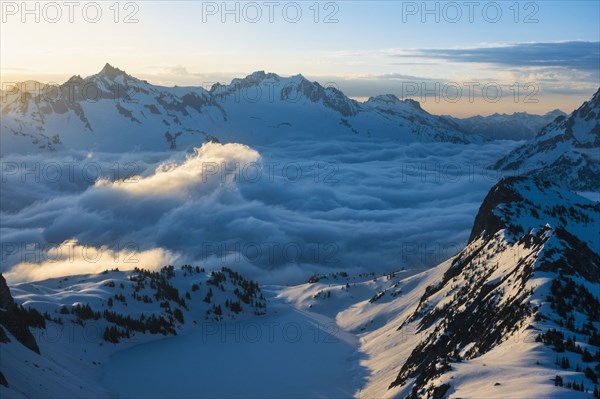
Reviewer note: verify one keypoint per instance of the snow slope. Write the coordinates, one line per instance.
(24, 372)
(531, 265)
(482, 323)
(87, 318)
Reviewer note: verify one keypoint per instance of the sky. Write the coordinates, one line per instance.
(459, 58)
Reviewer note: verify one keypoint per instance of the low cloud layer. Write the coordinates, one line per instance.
(278, 213)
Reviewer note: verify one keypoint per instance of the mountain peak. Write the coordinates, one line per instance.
(413, 103)
(384, 98)
(510, 205)
(596, 97)
(108, 68)
(300, 77)
(111, 72)
(561, 150)
(256, 76)
(74, 79)
(259, 76)
(393, 99)
(252, 79)
(555, 112)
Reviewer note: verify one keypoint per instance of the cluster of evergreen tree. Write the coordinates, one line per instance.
(178, 314)
(560, 344)
(234, 306)
(577, 386)
(315, 278)
(208, 296)
(120, 297)
(159, 282)
(568, 296)
(190, 269)
(246, 291)
(152, 324)
(84, 312)
(217, 279)
(32, 317)
(113, 334)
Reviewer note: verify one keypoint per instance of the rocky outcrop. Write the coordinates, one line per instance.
(13, 318)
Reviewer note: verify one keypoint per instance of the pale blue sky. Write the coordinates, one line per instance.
(372, 47)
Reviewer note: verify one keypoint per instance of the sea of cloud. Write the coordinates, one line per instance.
(278, 212)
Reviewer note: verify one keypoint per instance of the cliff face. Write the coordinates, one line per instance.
(12, 317)
(487, 223)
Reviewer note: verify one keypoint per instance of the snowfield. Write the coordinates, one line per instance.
(290, 353)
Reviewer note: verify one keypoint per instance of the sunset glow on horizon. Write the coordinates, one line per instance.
(398, 43)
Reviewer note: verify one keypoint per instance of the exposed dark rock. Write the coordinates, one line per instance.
(3, 380)
(487, 223)
(12, 318)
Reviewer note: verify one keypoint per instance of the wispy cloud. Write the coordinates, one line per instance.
(578, 55)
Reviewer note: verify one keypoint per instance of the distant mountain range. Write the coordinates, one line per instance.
(566, 151)
(516, 126)
(114, 111)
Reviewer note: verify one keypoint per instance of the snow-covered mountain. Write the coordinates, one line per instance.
(565, 151)
(515, 126)
(114, 111)
(515, 314)
(498, 318)
(110, 110)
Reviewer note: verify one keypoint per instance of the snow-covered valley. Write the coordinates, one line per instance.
(289, 353)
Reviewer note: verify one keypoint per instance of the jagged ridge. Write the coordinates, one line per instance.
(525, 229)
